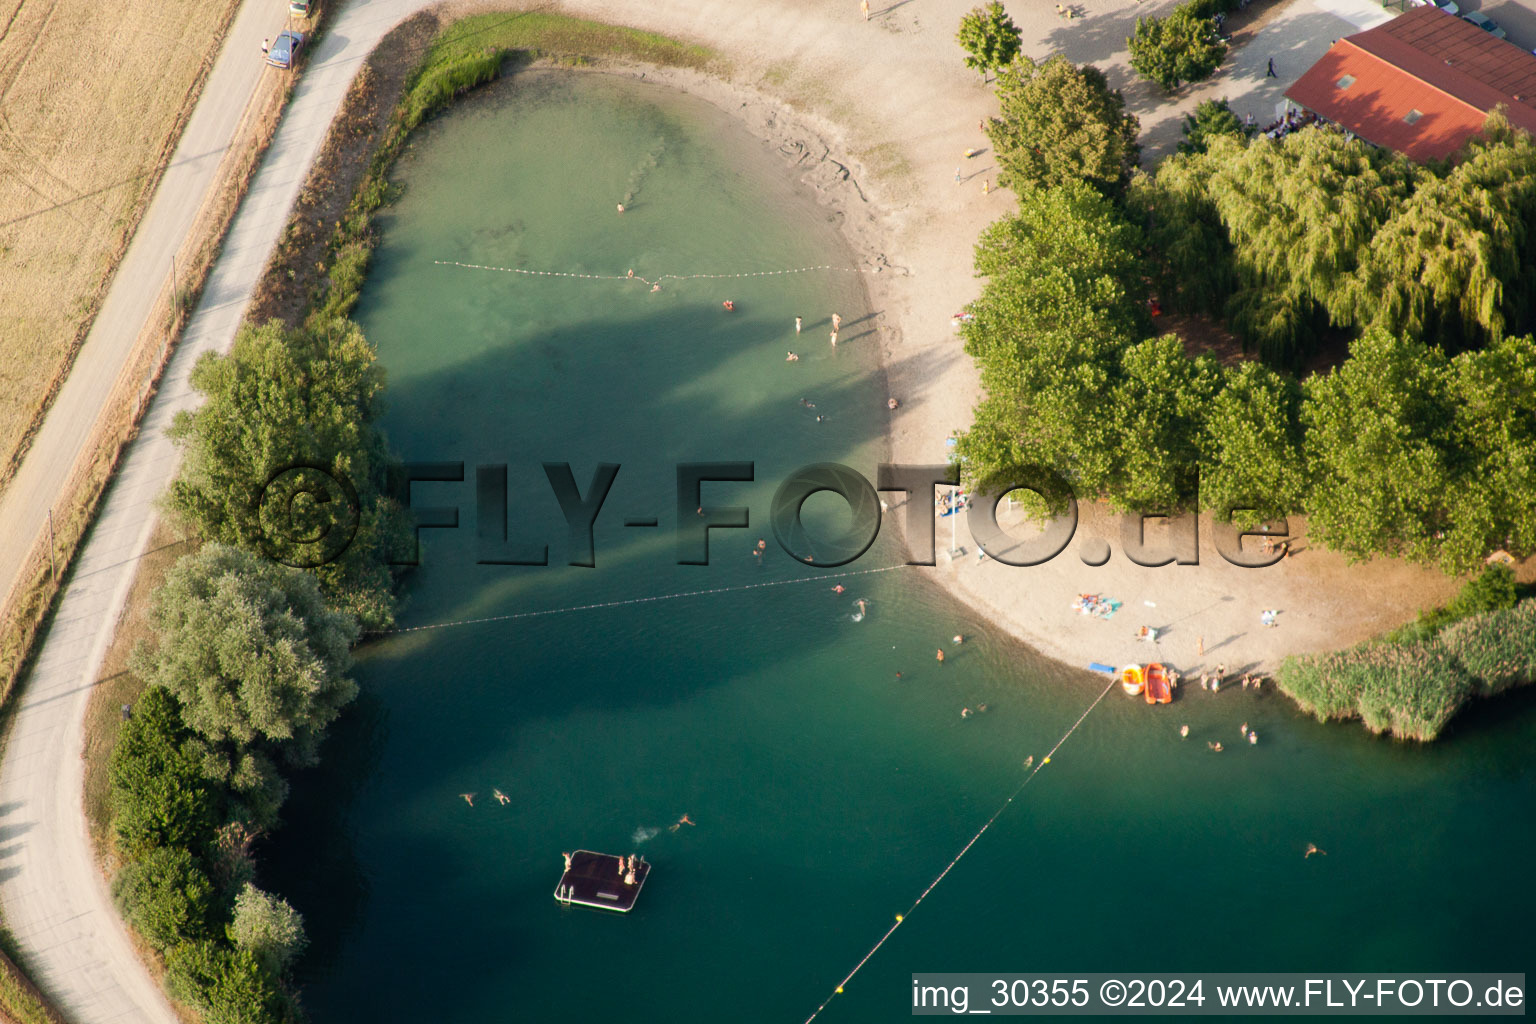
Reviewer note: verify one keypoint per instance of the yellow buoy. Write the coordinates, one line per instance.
(1045, 762)
(839, 990)
(898, 918)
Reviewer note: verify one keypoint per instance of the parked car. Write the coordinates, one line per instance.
(1485, 23)
(301, 8)
(285, 49)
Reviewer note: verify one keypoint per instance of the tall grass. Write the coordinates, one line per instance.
(1412, 687)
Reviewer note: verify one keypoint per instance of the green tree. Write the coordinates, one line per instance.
(1062, 123)
(1211, 118)
(1061, 303)
(989, 38)
(1190, 259)
(1456, 262)
(166, 896)
(1177, 49)
(1251, 445)
(268, 928)
(1300, 213)
(160, 796)
(1161, 401)
(1493, 504)
(251, 651)
(283, 399)
(1379, 438)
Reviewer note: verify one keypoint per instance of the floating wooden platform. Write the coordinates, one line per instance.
(597, 880)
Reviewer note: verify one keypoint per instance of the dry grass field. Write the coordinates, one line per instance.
(92, 98)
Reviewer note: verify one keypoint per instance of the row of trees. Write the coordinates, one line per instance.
(1422, 442)
(1297, 239)
(248, 661)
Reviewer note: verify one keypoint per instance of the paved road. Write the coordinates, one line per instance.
(55, 902)
(136, 286)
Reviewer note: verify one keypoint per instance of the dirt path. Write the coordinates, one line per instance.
(898, 110)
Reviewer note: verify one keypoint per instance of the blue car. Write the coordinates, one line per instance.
(285, 49)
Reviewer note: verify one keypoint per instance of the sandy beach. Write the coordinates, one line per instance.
(882, 147)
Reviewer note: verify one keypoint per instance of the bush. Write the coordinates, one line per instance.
(267, 927)
(226, 986)
(160, 796)
(166, 896)
(1492, 589)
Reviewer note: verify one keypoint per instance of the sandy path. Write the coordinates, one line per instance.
(890, 93)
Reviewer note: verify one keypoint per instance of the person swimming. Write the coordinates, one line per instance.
(838, 588)
(791, 358)
(684, 820)
(1215, 747)
(729, 305)
(858, 616)
(1183, 732)
(501, 797)
(469, 798)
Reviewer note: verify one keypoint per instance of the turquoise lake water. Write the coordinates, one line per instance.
(827, 792)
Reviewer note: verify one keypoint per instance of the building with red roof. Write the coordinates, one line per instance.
(1420, 84)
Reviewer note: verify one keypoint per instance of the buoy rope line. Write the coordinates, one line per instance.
(630, 600)
(657, 282)
(901, 918)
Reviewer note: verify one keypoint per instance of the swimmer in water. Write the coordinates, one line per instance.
(684, 820)
(958, 639)
(655, 287)
(838, 589)
(621, 207)
(631, 272)
(837, 323)
(469, 798)
(891, 403)
(965, 712)
(798, 322)
(1311, 849)
(791, 358)
(860, 604)
(567, 861)
(939, 656)
(729, 305)
(1215, 747)
(501, 797)
(1029, 762)
(1253, 738)
(1183, 732)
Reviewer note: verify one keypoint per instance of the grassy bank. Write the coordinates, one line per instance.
(1411, 682)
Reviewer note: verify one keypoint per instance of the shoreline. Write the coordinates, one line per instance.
(1207, 615)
